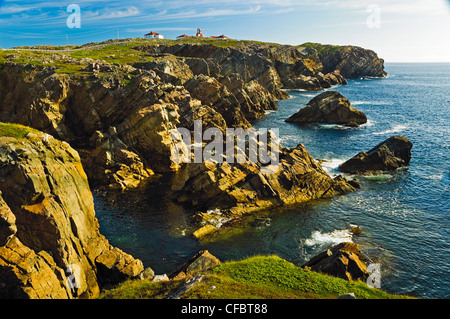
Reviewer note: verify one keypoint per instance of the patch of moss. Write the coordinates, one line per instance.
(15, 130)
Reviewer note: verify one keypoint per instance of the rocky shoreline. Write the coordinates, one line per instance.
(120, 119)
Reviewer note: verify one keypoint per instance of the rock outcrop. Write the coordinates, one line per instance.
(200, 262)
(50, 244)
(329, 107)
(343, 260)
(350, 61)
(389, 155)
(111, 164)
(170, 87)
(122, 118)
(224, 192)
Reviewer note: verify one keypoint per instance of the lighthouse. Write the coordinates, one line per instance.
(199, 32)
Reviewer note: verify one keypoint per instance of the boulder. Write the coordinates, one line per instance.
(393, 153)
(200, 262)
(329, 107)
(343, 260)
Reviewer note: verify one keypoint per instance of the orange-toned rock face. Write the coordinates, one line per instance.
(54, 248)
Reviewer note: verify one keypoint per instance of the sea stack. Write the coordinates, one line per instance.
(389, 155)
(329, 107)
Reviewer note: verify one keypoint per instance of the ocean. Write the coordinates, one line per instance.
(404, 214)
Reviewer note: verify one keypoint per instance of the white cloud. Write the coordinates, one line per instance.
(115, 14)
(15, 9)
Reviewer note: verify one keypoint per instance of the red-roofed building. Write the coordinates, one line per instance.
(183, 36)
(220, 37)
(154, 35)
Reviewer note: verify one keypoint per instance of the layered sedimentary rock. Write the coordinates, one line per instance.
(393, 153)
(224, 86)
(123, 118)
(343, 260)
(223, 192)
(351, 61)
(329, 107)
(50, 244)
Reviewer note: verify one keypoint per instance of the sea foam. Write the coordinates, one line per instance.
(335, 237)
(395, 129)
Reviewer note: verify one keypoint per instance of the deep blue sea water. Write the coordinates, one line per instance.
(404, 215)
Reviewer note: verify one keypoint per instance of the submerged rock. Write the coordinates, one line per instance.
(329, 107)
(389, 155)
(343, 260)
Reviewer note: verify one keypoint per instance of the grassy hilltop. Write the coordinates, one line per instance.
(259, 277)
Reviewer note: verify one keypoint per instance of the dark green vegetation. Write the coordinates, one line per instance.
(260, 277)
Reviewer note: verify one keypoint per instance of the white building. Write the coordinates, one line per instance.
(154, 35)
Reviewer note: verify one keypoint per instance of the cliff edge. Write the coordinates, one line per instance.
(50, 244)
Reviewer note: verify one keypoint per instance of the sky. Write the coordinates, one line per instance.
(398, 30)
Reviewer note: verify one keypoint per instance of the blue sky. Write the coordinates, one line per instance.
(398, 30)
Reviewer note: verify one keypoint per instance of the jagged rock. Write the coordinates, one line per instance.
(57, 248)
(8, 226)
(112, 165)
(352, 62)
(200, 262)
(216, 95)
(232, 190)
(329, 107)
(253, 98)
(393, 153)
(149, 132)
(248, 80)
(98, 67)
(114, 266)
(343, 260)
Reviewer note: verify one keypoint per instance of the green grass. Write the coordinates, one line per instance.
(114, 53)
(321, 48)
(66, 62)
(15, 130)
(260, 277)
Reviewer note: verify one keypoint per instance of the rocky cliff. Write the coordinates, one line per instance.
(118, 104)
(223, 192)
(50, 244)
(120, 107)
